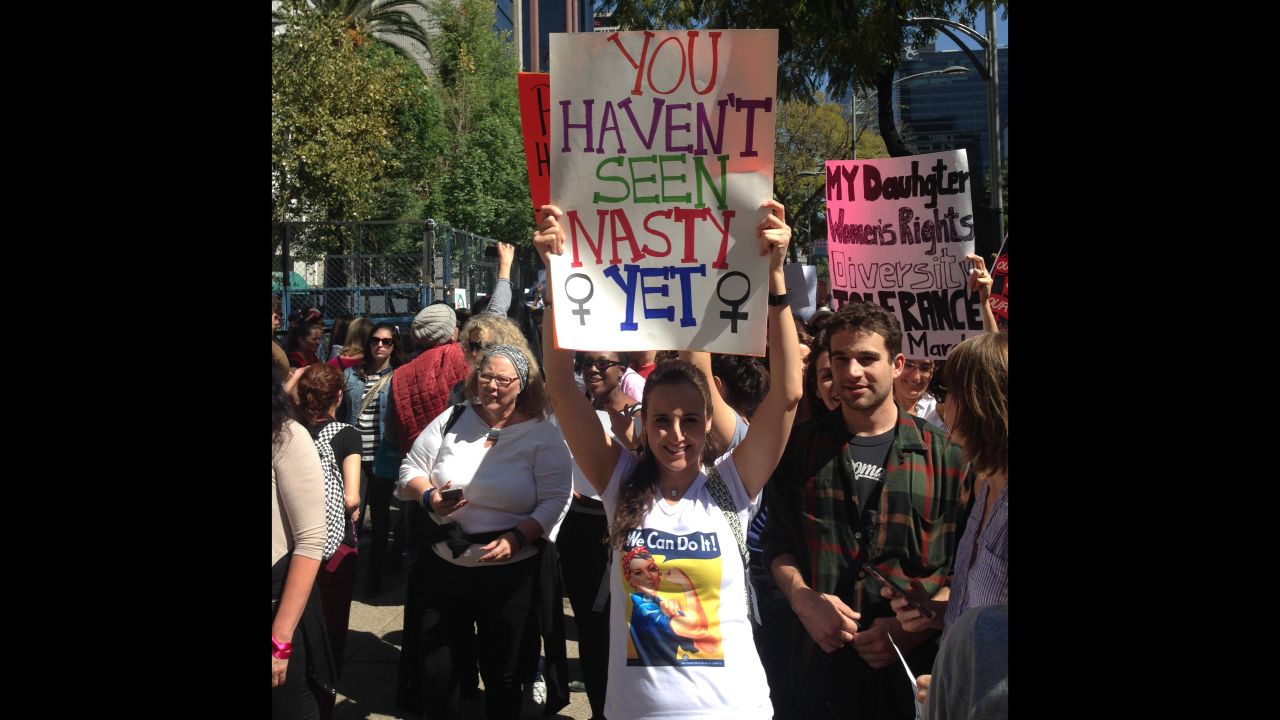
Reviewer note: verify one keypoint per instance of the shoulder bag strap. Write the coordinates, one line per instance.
(723, 500)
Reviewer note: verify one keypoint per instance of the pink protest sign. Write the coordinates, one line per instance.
(898, 230)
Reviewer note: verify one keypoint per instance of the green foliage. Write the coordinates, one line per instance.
(837, 45)
(483, 184)
(382, 19)
(332, 138)
(808, 135)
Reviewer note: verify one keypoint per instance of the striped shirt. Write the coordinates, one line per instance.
(982, 559)
(367, 423)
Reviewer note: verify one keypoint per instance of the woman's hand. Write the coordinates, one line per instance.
(670, 608)
(922, 685)
(911, 619)
(501, 549)
(440, 506)
(278, 668)
(774, 233)
(549, 236)
(980, 279)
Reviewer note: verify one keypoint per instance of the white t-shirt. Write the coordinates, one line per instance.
(525, 474)
(927, 408)
(655, 669)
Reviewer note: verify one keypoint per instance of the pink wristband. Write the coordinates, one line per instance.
(280, 650)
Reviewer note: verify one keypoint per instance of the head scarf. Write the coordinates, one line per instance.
(517, 358)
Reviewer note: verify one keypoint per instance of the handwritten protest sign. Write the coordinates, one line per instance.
(661, 153)
(1000, 288)
(535, 124)
(897, 232)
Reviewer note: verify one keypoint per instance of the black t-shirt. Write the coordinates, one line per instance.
(345, 443)
(867, 456)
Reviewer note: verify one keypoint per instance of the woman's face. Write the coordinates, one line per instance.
(311, 341)
(676, 426)
(493, 372)
(822, 364)
(911, 385)
(382, 343)
(643, 575)
(602, 371)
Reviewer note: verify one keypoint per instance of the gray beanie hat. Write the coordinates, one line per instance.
(435, 324)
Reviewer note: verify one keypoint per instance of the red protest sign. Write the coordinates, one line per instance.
(1000, 287)
(535, 125)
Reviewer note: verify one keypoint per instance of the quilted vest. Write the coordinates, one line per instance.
(421, 389)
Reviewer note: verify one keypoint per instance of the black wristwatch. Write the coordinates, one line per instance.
(783, 299)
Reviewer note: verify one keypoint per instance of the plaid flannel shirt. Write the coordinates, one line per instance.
(814, 511)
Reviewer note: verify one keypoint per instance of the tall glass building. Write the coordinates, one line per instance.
(948, 112)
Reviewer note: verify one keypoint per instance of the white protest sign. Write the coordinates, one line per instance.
(802, 286)
(661, 154)
(898, 230)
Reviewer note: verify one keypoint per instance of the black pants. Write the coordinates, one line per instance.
(583, 559)
(496, 601)
(380, 498)
(842, 686)
(296, 699)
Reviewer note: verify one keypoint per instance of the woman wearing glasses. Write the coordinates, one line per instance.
(911, 391)
(495, 475)
(364, 405)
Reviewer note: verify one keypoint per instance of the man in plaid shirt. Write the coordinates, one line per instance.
(866, 483)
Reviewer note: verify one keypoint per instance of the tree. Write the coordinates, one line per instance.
(385, 20)
(842, 46)
(483, 183)
(807, 135)
(330, 132)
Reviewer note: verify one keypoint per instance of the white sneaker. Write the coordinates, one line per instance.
(536, 692)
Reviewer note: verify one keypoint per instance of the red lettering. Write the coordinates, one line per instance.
(596, 247)
(618, 219)
(639, 67)
(654, 61)
(715, 61)
(652, 231)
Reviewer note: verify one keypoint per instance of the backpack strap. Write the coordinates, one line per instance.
(723, 500)
(453, 418)
(335, 515)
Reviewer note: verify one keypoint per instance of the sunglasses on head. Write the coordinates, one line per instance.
(382, 341)
(478, 346)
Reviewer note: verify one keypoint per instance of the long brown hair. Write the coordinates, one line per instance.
(636, 496)
(977, 379)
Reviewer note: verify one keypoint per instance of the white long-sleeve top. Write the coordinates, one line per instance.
(527, 473)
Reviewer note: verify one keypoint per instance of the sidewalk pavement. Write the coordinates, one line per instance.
(368, 686)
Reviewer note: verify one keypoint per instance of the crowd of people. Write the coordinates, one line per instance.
(739, 537)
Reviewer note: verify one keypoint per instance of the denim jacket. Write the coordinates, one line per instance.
(353, 394)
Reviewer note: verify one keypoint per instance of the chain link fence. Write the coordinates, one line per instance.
(384, 270)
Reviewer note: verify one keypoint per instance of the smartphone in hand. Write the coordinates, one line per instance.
(880, 577)
(451, 495)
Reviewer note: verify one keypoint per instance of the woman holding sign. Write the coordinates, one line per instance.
(686, 518)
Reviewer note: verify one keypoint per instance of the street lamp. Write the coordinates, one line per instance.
(989, 72)
(853, 121)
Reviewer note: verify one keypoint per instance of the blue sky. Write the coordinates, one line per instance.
(1002, 31)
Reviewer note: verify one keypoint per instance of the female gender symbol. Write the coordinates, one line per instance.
(733, 315)
(581, 312)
